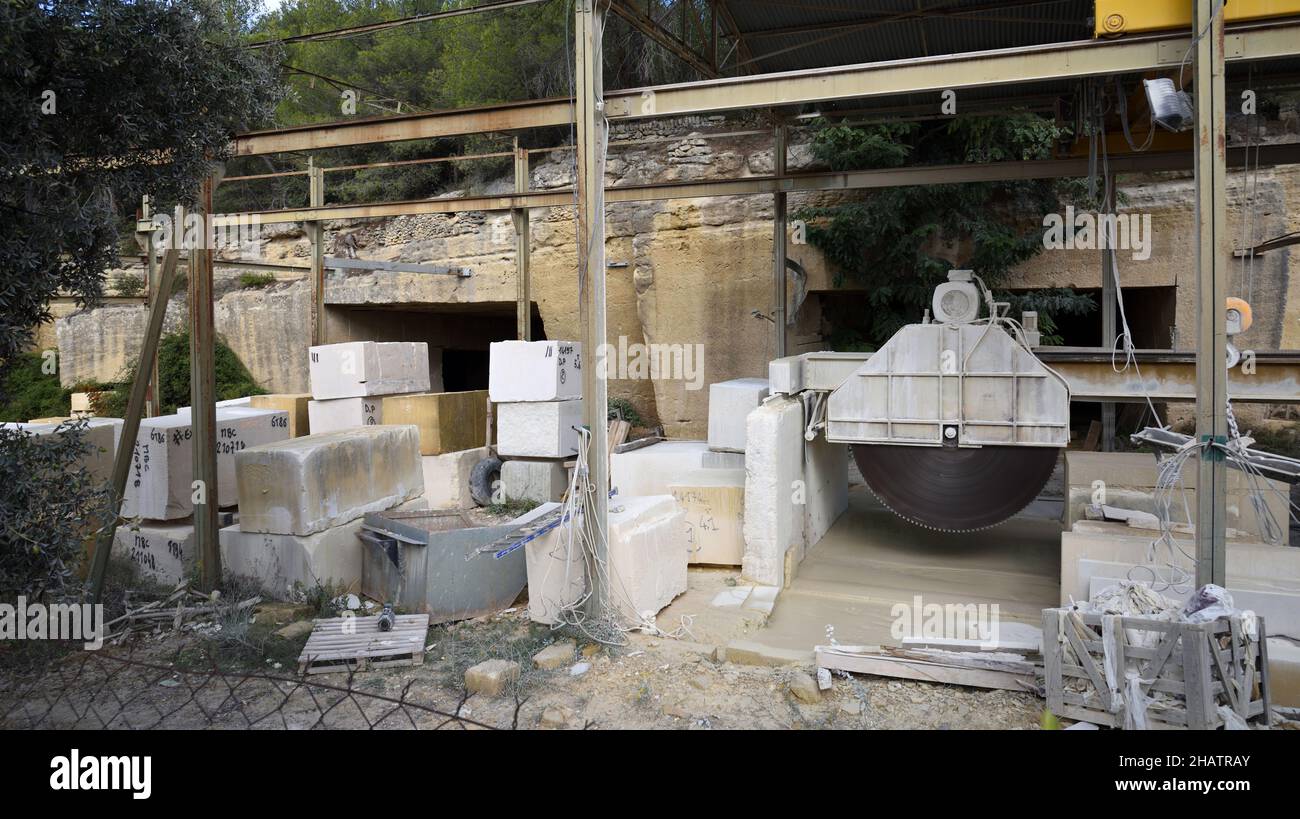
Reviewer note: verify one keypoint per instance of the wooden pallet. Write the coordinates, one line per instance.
(357, 644)
(1198, 666)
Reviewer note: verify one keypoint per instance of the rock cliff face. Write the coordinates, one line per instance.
(682, 272)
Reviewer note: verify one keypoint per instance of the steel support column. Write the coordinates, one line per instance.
(316, 236)
(203, 397)
(779, 243)
(1211, 291)
(523, 251)
(1109, 303)
(591, 128)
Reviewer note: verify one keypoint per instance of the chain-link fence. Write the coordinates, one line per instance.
(109, 690)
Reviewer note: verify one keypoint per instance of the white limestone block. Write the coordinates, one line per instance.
(714, 502)
(304, 485)
(159, 483)
(540, 480)
(334, 414)
(826, 487)
(100, 437)
(539, 429)
(356, 369)
(651, 470)
(730, 403)
(534, 371)
(773, 462)
(556, 573)
(647, 555)
(163, 551)
(446, 478)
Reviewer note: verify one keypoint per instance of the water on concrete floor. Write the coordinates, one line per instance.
(871, 559)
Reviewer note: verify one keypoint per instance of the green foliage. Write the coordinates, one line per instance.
(512, 506)
(893, 243)
(26, 392)
(622, 408)
(50, 507)
(232, 378)
(256, 280)
(130, 286)
(128, 81)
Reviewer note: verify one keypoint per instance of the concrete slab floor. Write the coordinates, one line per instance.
(871, 559)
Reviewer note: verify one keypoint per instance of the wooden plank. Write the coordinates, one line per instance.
(886, 666)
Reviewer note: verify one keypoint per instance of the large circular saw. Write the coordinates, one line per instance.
(955, 424)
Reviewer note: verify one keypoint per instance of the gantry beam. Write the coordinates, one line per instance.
(970, 70)
(651, 28)
(767, 185)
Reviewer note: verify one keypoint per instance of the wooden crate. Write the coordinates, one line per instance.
(357, 644)
(1189, 669)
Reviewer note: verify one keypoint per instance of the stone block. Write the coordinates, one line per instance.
(651, 470)
(556, 574)
(334, 414)
(714, 502)
(293, 404)
(826, 487)
(163, 551)
(773, 462)
(730, 403)
(304, 485)
(446, 478)
(647, 555)
(99, 435)
(539, 429)
(539, 480)
(447, 421)
(159, 482)
(534, 371)
(357, 369)
(556, 655)
(491, 678)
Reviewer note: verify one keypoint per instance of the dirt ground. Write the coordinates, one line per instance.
(170, 681)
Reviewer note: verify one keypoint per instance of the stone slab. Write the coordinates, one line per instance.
(446, 478)
(536, 479)
(652, 470)
(304, 485)
(356, 369)
(556, 574)
(159, 483)
(773, 462)
(647, 555)
(163, 551)
(714, 502)
(730, 403)
(334, 414)
(294, 404)
(534, 371)
(539, 429)
(826, 487)
(100, 437)
(447, 421)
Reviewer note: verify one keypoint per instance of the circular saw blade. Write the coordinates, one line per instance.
(953, 489)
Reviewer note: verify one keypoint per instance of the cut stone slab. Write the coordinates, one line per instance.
(773, 462)
(647, 554)
(652, 470)
(556, 655)
(159, 483)
(826, 487)
(293, 404)
(279, 562)
(539, 429)
(447, 421)
(539, 480)
(714, 502)
(163, 551)
(305, 485)
(534, 371)
(730, 403)
(446, 478)
(335, 414)
(99, 436)
(356, 369)
(491, 678)
(556, 574)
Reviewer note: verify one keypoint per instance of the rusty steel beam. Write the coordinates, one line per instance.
(648, 26)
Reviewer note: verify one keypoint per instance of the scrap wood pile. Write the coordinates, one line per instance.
(1011, 666)
(184, 607)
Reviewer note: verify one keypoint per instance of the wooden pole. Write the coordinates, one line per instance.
(523, 251)
(203, 400)
(316, 235)
(779, 244)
